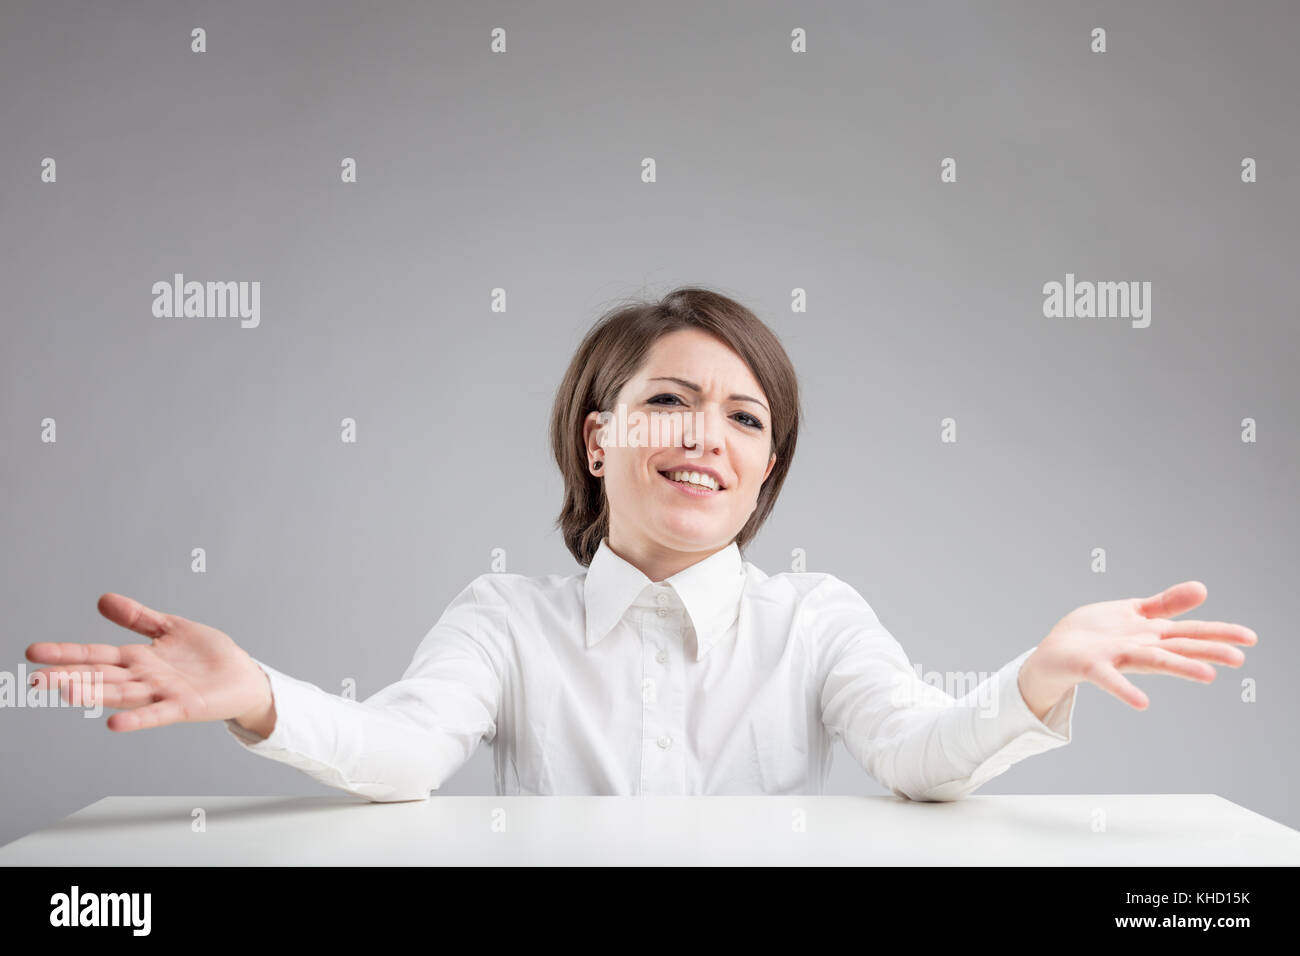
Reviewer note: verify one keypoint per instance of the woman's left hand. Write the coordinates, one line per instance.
(1097, 642)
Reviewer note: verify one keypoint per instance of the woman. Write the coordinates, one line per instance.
(670, 665)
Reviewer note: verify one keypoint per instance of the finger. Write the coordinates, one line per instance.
(63, 653)
(1157, 660)
(118, 696)
(1105, 676)
(1173, 601)
(1203, 650)
(107, 673)
(1215, 630)
(153, 715)
(133, 615)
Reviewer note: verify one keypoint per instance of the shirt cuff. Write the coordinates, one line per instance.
(290, 704)
(1005, 729)
(1055, 727)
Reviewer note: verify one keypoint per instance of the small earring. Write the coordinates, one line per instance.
(596, 465)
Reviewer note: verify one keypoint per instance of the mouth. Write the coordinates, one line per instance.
(695, 491)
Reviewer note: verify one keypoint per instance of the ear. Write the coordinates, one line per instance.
(593, 427)
(770, 462)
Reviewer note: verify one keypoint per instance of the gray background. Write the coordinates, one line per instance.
(776, 171)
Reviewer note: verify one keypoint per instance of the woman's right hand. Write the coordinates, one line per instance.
(190, 672)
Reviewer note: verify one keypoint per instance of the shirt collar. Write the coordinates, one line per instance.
(710, 590)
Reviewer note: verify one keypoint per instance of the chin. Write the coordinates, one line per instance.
(691, 534)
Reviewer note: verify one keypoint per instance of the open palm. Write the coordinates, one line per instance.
(1098, 642)
(189, 672)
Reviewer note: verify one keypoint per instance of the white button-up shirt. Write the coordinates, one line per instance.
(719, 680)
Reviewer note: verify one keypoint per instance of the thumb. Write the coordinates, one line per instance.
(1174, 600)
(133, 615)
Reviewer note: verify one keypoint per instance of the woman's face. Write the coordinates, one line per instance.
(701, 410)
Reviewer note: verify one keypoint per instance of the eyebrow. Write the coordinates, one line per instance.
(695, 388)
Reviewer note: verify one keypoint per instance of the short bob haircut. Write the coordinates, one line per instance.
(614, 350)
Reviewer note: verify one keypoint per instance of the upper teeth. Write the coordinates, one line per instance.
(695, 478)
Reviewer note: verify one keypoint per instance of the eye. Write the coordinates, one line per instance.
(748, 420)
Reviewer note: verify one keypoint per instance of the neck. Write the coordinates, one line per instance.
(654, 560)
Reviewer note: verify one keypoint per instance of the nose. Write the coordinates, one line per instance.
(702, 431)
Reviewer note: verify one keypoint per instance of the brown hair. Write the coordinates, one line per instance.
(614, 350)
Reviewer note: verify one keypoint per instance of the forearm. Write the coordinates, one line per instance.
(394, 746)
(924, 744)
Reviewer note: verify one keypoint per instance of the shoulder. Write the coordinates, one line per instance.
(500, 588)
(801, 588)
(820, 604)
(491, 608)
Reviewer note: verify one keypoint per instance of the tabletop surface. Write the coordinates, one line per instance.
(1015, 830)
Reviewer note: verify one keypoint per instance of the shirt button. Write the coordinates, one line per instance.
(663, 612)
(663, 599)
(665, 742)
(662, 657)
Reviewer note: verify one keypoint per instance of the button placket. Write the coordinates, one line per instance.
(663, 766)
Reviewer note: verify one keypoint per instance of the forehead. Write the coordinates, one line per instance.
(699, 357)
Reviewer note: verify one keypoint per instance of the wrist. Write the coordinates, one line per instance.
(1040, 690)
(261, 723)
(261, 718)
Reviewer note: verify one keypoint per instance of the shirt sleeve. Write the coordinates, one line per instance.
(919, 740)
(408, 738)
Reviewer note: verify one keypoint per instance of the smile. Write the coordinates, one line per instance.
(688, 488)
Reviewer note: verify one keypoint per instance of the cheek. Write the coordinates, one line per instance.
(754, 469)
(629, 470)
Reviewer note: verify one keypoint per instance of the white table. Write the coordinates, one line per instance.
(1066, 830)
